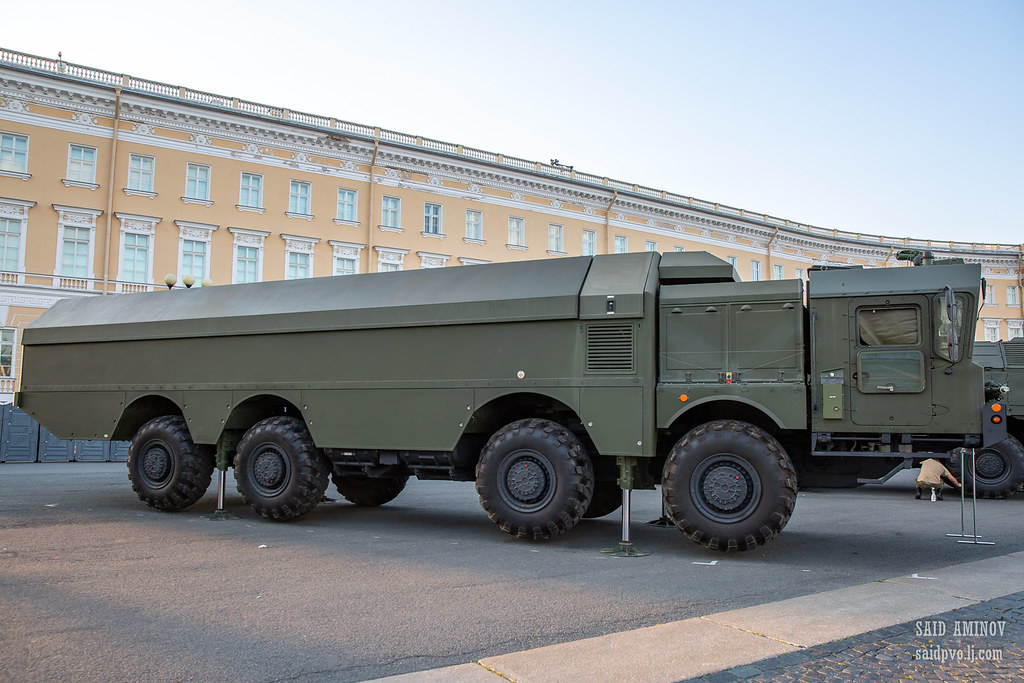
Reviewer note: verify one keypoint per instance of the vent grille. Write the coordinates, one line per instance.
(610, 348)
(1014, 354)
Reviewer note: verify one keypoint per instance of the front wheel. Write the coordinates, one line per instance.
(729, 485)
(279, 471)
(534, 479)
(167, 470)
(999, 469)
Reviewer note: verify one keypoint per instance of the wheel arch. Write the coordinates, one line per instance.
(140, 411)
(257, 407)
(712, 408)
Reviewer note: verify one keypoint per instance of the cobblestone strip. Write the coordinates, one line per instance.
(982, 642)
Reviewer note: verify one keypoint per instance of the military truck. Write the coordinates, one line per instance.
(558, 386)
(1000, 467)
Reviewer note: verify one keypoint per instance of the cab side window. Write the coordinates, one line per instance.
(891, 360)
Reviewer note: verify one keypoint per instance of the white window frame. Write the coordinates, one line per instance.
(1014, 329)
(391, 213)
(650, 245)
(798, 273)
(300, 199)
(191, 178)
(1013, 295)
(755, 270)
(990, 295)
(9, 154)
(297, 244)
(588, 243)
(556, 239)
(678, 249)
(778, 271)
(474, 227)
(340, 218)
(991, 329)
(245, 192)
(433, 220)
(141, 181)
(516, 233)
(252, 239)
(390, 259)
(74, 177)
(13, 371)
(620, 244)
(133, 224)
(429, 260)
(16, 210)
(194, 232)
(347, 251)
(75, 217)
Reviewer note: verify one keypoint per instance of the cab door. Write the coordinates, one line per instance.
(890, 362)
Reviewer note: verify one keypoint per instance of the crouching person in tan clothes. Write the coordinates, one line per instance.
(932, 473)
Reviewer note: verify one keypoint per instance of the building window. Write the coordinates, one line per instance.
(81, 164)
(136, 258)
(197, 182)
(778, 272)
(346, 257)
(13, 153)
(298, 197)
(678, 249)
(344, 265)
(589, 243)
(251, 192)
(390, 260)
(474, 225)
(621, 246)
(140, 172)
(1013, 295)
(1014, 329)
(990, 295)
(10, 245)
(391, 213)
(75, 252)
(298, 266)
(798, 273)
(193, 259)
(731, 260)
(556, 238)
(516, 231)
(7, 352)
(650, 245)
(432, 219)
(247, 261)
(347, 205)
(755, 271)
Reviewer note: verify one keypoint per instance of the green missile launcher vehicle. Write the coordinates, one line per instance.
(557, 386)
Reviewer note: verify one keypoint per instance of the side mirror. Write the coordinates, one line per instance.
(952, 313)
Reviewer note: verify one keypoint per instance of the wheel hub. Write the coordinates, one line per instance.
(725, 487)
(527, 482)
(269, 470)
(156, 464)
(989, 465)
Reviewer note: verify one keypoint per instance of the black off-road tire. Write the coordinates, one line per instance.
(167, 470)
(534, 479)
(729, 485)
(280, 473)
(607, 499)
(367, 491)
(1000, 469)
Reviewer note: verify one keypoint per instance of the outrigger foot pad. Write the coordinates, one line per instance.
(219, 516)
(662, 522)
(625, 549)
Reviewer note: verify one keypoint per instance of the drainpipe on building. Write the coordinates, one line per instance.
(369, 211)
(110, 188)
(608, 224)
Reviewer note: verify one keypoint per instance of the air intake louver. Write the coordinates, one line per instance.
(1014, 355)
(610, 348)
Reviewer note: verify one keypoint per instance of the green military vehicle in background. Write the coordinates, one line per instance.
(1000, 467)
(556, 385)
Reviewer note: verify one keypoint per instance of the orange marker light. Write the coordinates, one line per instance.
(684, 398)
(996, 407)
(996, 420)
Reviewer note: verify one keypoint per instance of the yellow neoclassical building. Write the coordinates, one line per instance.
(109, 183)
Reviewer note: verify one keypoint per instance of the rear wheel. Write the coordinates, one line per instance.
(279, 471)
(999, 469)
(729, 485)
(534, 479)
(167, 470)
(369, 492)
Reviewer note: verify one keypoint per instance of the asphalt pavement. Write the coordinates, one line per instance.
(96, 586)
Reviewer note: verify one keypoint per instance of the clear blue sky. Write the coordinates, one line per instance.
(895, 117)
